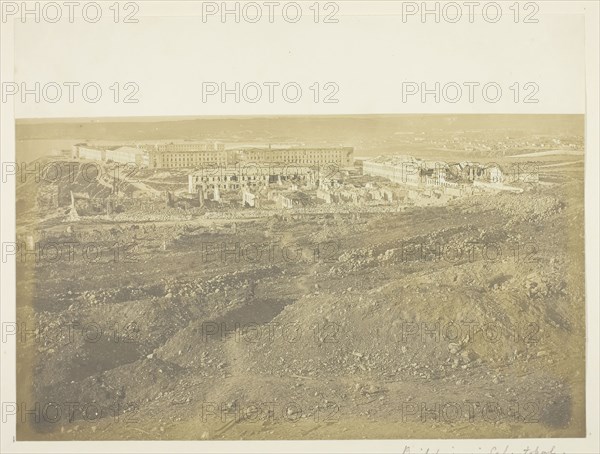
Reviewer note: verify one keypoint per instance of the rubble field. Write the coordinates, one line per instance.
(465, 318)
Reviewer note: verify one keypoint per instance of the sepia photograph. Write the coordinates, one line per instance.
(329, 226)
(301, 277)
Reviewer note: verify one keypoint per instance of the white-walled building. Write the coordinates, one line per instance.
(85, 152)
(128, 155)
(401, 169)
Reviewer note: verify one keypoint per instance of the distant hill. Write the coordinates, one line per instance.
(337, 129)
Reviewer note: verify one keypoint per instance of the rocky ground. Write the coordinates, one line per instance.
(461, 320)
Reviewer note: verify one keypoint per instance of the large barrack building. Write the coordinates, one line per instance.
(343, 157)
(185, 154)
(196, 155)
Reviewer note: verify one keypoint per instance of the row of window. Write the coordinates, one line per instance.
(196, 148)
